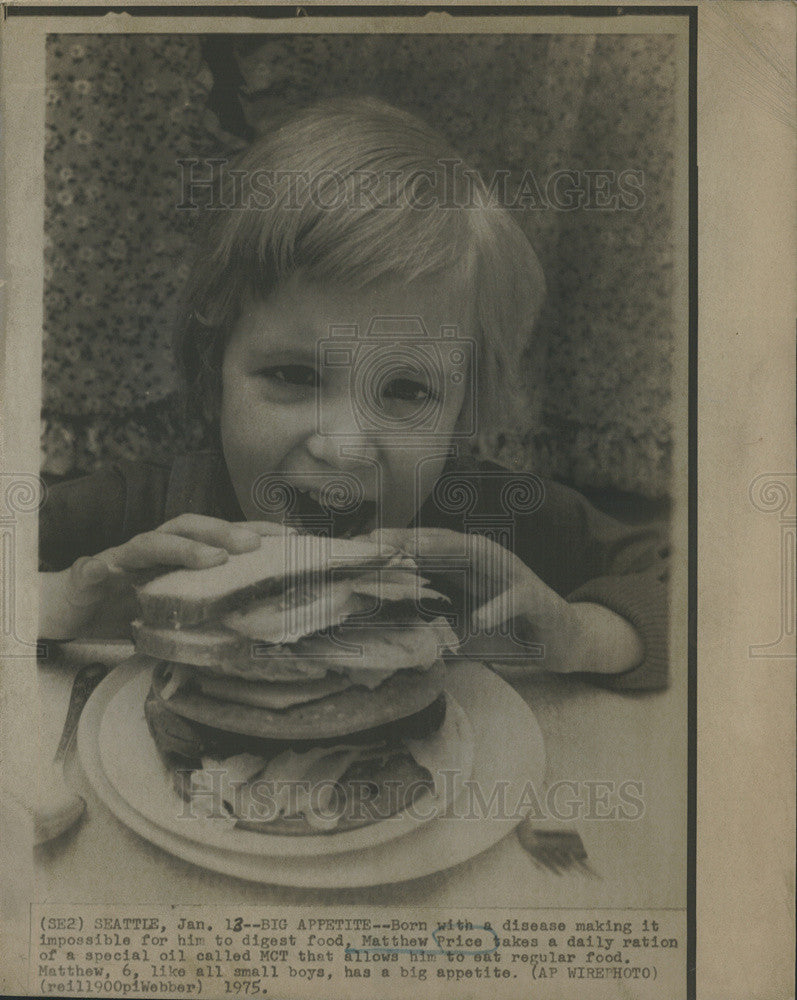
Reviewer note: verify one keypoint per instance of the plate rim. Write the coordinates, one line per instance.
(419, 853)
(285, 846)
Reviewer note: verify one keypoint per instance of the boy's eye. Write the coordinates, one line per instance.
(303, 376)
(408, 390)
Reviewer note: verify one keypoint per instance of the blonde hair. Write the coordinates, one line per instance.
(354, 191)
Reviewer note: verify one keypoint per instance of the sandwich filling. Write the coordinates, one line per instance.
(316, 707)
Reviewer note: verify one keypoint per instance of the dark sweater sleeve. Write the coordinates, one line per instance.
(84, 516)
(626, 571)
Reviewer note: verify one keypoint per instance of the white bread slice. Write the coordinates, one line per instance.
(223, 652)
(192, 596)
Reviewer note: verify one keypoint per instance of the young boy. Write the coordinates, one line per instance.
(357, 311)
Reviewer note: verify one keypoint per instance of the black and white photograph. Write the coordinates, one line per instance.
(363, 519)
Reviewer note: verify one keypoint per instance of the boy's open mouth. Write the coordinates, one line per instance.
(312, 516)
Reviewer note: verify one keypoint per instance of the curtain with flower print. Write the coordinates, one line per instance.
(122, 110)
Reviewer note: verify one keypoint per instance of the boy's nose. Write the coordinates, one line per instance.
(341, 440)
(347, 453)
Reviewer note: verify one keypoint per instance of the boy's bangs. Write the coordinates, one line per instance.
(354, 229)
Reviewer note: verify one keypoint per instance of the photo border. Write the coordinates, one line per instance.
(690, 12)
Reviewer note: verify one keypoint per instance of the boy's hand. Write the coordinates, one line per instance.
(507, 597)
(101, 586)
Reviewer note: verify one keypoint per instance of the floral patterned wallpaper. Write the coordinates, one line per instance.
(121, 110)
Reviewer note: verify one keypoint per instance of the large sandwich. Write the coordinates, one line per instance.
(299, 688)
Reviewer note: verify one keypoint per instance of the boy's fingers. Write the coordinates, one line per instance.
(389, 537)
(495, 612)
(492, 568)
(94, 570)
(430, 542)
(213, 531)
(87, 574)
(421, 541)
(267, 527)
(155, 548)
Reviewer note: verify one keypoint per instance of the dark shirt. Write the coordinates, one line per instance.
(580, 553)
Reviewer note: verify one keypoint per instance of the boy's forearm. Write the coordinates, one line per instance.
(604, 642)
(60, 618)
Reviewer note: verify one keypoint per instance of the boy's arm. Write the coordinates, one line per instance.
(610, 577)
(624, 570)
(639, 599)
(84, 601)
(80, 518)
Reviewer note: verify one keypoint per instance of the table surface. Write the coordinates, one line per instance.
(591, 735)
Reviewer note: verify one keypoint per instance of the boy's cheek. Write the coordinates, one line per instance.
(254, 431)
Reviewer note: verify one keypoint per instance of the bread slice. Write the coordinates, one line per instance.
(223, 652)
(192, 596)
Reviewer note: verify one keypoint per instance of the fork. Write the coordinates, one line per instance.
(556, 850)
(57, 807)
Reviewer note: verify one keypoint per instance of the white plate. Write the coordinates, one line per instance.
(508, 753)
(133, 766)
